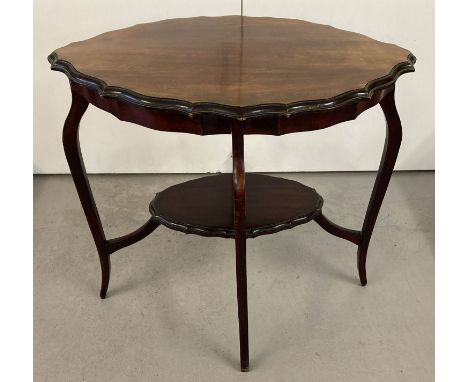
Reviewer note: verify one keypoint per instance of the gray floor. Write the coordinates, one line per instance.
(171, 311)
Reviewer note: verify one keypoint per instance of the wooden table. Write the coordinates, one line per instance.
(232, 75)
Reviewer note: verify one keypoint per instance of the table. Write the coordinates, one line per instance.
(232, 75)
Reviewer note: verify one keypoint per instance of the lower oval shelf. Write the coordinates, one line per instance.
(205, 206)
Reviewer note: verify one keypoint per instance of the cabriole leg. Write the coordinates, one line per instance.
(71, 145)
(389, 156)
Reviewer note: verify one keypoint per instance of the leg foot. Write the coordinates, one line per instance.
(242, 311)
(361, 264)
(105, 271)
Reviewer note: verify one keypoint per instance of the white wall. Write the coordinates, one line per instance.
(110, 145)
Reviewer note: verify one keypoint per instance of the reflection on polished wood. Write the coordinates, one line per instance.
(206, 64)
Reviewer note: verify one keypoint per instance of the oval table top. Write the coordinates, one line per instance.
(234, 66)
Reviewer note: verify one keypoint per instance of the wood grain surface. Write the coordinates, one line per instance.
(235, 61)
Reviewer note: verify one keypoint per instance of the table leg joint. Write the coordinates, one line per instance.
(113, 245)
(344, 233)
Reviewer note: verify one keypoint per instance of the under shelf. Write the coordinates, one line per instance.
(205, 206)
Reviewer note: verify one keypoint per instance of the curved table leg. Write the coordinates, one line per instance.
(389, 156)
(238, 178)
(71, 145)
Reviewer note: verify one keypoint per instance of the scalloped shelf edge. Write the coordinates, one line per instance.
(251, 233)
(234, 112)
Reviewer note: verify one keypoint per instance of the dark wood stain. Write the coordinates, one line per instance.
(200, 76)
(238, 196)
(205, 206)
(208, 124)
(211, 64)
(71, 145)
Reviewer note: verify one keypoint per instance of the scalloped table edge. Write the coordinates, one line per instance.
(240, 113)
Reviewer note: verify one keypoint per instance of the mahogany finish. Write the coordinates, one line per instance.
(389, 157)
(209, 124)
(205, 206)
(233, 66)
(237, 76)
(238, 195)
(71, 145)
(338, 231)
